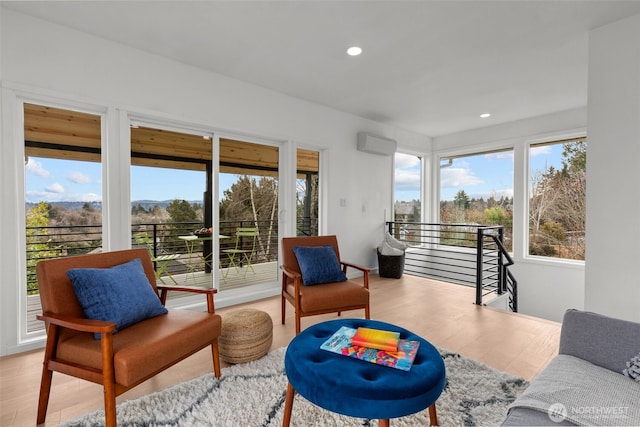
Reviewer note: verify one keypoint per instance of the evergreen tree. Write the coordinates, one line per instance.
(461, 200)
(181, 211)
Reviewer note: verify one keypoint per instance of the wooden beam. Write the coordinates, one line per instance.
(75, 129)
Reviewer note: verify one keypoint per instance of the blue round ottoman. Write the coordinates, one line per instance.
(357, 388)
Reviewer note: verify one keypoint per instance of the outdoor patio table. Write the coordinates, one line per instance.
(190, 243)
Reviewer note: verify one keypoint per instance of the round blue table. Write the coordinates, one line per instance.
(357, 388)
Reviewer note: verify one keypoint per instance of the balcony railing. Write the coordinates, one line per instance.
(160, 238)
(466, 254)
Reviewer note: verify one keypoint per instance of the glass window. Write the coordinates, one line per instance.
(477, 189)
(557, 199)
(170, 201)
(63, 195)
(407, 190)
(307, 181)
(248, 206)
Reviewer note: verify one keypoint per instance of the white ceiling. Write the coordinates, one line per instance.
(428, 66)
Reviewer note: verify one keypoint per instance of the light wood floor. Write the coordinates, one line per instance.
(442, 313)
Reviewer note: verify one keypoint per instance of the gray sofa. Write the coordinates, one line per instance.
(584, 384)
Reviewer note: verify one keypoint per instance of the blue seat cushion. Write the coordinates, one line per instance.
(361, 389)
(318, 264)
(121, 294)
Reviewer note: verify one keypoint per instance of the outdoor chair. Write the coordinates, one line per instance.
(314, 279)
(162, 261)
(140, 339)
(242, 253)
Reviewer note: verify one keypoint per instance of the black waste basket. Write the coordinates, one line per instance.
(390, 266)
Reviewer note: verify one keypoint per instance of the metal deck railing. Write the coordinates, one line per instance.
(466, 254)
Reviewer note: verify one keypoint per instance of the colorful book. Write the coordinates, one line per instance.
(340, 343)
(376, 338)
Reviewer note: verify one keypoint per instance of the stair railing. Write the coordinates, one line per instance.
(494, 277)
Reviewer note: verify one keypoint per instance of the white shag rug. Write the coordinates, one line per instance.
(252, 395)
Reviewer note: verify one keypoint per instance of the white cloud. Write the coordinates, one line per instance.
(539, 150)
(405, 161)
(458, 177)
(35, 168)
(55, 188)
(499, 155)
(79, 178)
(407, 180)
(49, 196)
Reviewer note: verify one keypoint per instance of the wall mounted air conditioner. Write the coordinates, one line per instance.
(376, 144)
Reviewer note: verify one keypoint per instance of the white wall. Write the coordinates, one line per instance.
(51, 62)
(613, 198)
(546, 288)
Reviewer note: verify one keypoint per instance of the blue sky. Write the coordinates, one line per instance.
(480, 176)
(66, 180)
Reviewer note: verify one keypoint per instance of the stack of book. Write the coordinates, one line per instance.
(373, 345)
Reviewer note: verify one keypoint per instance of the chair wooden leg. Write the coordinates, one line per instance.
(433, 417)
(288, 405)
(216, 358)
(108, 380)
(45, 390)
(110, 405)
(366, 313)
(47, 374)
(283, 309)
(298, 328)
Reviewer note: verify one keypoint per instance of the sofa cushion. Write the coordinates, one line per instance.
(318, 264)
(602, 340)
(121, 294)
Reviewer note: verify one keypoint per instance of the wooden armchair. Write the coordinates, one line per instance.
(320, 298)
(119, 361)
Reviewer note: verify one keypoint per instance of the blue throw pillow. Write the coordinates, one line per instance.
(318, 264)
(120, 294)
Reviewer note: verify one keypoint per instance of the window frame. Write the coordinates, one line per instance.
(551, 139)
(449, 157)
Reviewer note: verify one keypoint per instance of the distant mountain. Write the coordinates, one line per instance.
(147, 204)
(72, 206)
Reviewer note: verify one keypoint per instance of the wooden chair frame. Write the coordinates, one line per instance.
(57, 324)
(291, 274)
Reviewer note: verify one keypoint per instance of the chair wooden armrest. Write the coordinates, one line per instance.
(290, 273)
(208, 292)
(365, 271)
(356, 266)
(78, 323)
(293, 275)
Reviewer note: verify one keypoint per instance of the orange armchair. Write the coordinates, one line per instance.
(119, 361)
(320, 298)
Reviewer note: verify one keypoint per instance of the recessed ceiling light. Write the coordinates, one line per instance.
(485, 115)
(354, 51)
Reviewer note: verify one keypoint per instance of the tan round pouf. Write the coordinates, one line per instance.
(246, 335)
